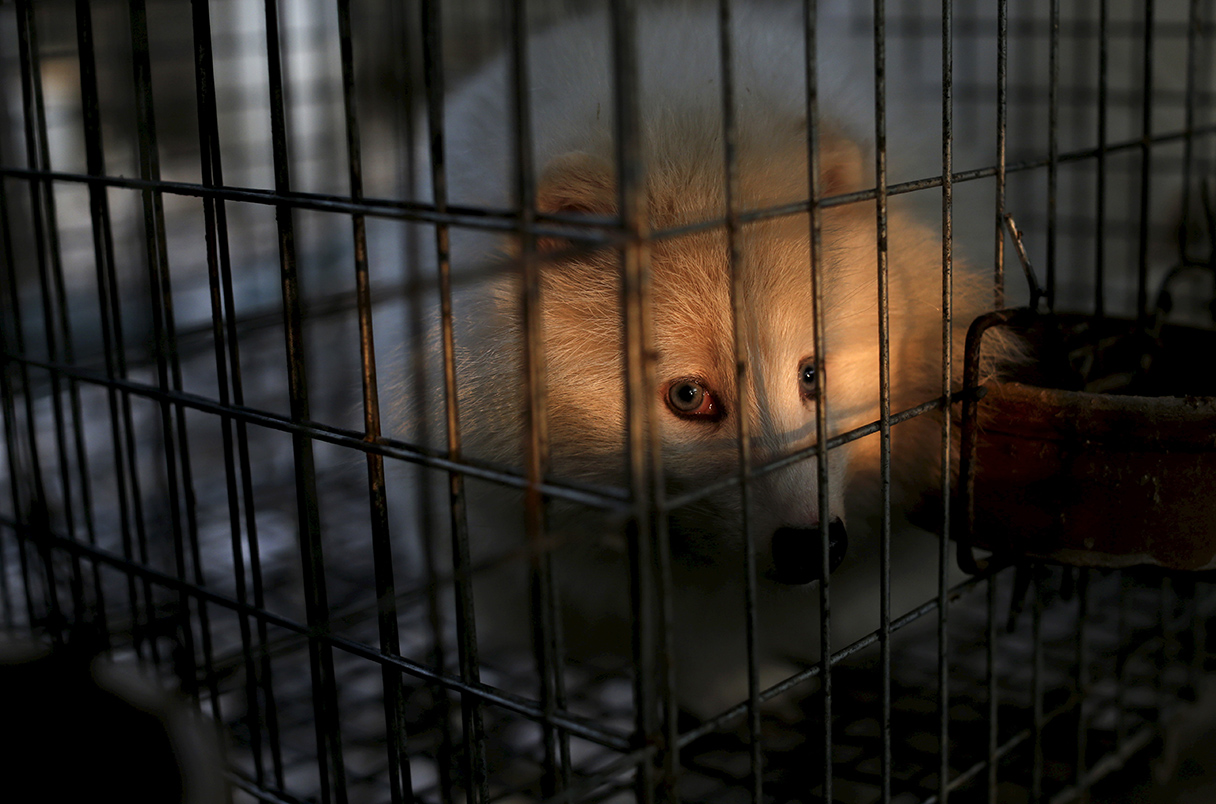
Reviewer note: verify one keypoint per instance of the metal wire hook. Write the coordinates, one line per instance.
(1036, 290)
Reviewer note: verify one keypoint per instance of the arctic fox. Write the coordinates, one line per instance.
(571, 96)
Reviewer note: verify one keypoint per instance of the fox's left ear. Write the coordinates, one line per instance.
(575, 182)
(842, 161)
(842, 167)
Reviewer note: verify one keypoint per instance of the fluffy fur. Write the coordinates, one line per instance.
(571, 101)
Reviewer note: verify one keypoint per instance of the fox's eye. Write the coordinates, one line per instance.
(808, 378)
(690, 399)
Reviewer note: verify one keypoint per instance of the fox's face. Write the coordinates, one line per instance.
(698, 397)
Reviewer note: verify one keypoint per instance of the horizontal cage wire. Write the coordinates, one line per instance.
(348, 454)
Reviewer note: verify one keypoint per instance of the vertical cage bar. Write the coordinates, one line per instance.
(1082, 684)
(547, 641)
(815, 223)
(1121, 661)
(1146, 163)
(54, 309)
(42, 212)
(1037, 682)
(667, 700)
(884, 372)
(400, 783)
(471, 718)
(631, 177)
(101, 633)
(416, 267)
(1100, 192)
(1209, 89)
(649, 559)
(12, 353)
(1053, 154)
(111, 315)
(943, 566)
(1188, 143)
(1002, 104)
(107, 275)
(41, 514)
(123, 427)
(742, 392)
(7, 606)
(12, 310)
(325, 696)
(228, 375)
(253, 716)
(990, 681)
(177, 455)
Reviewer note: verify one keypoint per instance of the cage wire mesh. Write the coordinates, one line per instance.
(209, 217)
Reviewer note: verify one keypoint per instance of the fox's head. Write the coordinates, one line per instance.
(698, 396)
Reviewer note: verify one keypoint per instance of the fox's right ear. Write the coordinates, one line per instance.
(575, 182)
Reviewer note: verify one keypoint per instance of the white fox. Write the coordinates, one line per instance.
(696, 399)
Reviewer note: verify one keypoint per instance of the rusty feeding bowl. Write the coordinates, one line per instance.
(1107, 458)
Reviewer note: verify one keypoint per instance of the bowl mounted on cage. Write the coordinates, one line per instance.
(1105, 458)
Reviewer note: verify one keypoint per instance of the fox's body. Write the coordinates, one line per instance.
(684, 183)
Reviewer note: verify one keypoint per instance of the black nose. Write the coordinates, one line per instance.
(797, 552)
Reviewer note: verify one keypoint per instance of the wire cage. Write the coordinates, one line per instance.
(226, 240)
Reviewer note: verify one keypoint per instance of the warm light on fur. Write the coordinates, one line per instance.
(580, 296)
